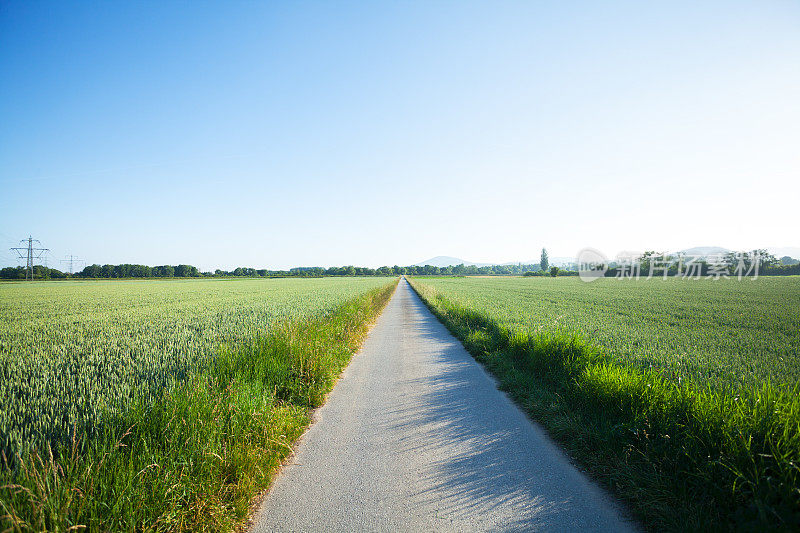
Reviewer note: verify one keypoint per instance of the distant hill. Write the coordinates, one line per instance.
(791, 251)
(703, 251)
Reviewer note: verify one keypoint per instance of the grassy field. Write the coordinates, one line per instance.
(163, 404)
(680, 395)
(726, 334)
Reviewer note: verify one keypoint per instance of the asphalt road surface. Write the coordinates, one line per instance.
(416, 437)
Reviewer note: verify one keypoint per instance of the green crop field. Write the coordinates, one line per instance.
(141, 387)
(724, 333)
(682, 396)
(73, 352)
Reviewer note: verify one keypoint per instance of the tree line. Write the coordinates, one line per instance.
(105, 271)
(755, 262)
(189, 271)
(768, 265)
(414, 270)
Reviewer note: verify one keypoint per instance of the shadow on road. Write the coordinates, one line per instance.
(480, 450)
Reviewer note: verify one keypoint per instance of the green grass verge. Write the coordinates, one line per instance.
(194, 460)
(683, 456)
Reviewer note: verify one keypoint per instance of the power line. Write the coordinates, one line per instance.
(72, 259)
(29, 253)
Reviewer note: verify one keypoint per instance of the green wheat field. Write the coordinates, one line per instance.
(725, 333)
(163, 405)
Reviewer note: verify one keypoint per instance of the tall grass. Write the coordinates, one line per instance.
(684, 456)
(194, 459)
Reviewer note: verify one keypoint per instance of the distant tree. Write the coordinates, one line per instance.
(786, 260)
(140, 271)
(766, 259)
(12, 273)
(646, 261)
(554, 271)
(746, 260)
(503, 270)
(164, 271)
(91, 271)
(430, 270)
(544, 262)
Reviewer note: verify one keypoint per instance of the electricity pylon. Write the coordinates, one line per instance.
(71, 259)
(29, 253)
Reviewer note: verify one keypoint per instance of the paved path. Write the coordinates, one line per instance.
(416, 437)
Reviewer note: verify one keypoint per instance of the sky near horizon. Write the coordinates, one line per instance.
(273, 134)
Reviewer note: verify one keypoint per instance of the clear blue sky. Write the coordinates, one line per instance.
(320, 133)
